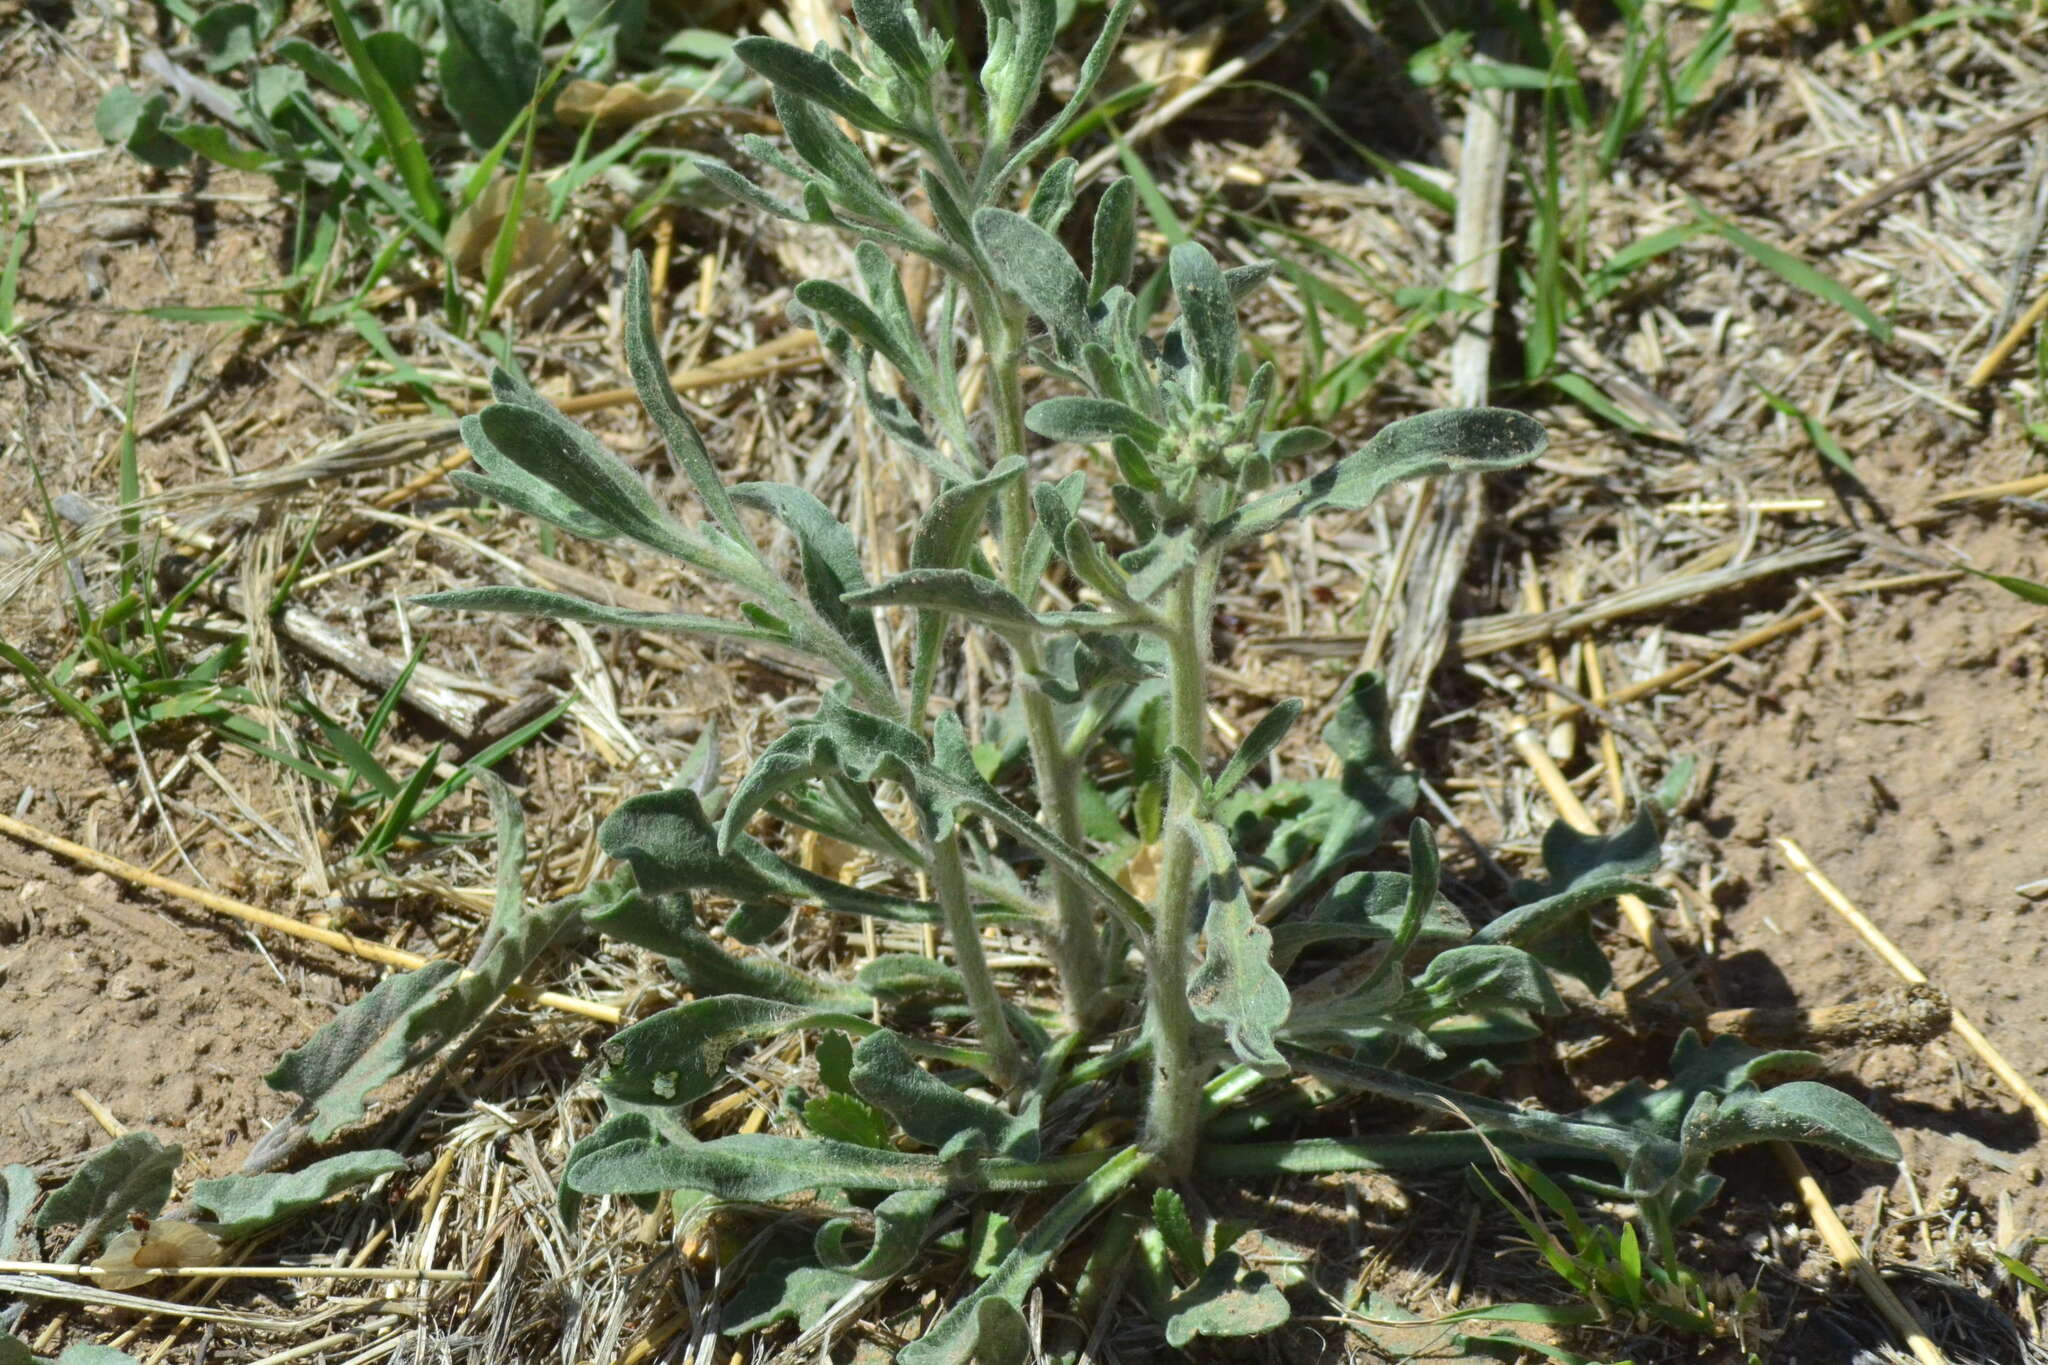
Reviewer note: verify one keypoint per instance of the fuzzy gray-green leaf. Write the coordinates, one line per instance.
(505, 482)
(245, 1204)
(867, 327)
(893, 27)
(809, 77)
(831, 563)
(132, 1174)
(658, 396)
(569, 460)
(1450, 441)
(1797, 1111)
(783, 1290)
(902, 1222)
(407, 1019)
(1114, 240)
(956, 592)
(674, 849)
(928, 1109)
(1082, 420)
(1264, 738)
(738, 188)
(753, 1167)
(1031, 263)
(1235, 987)
(18, 1191)
(1053, 197)
(1227, 1301)
(555, 606)
(1208, 318)
(842, 169)
(678, 1056)
(969, 1330)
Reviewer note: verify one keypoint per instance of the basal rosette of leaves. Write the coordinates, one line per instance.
(1266, 951)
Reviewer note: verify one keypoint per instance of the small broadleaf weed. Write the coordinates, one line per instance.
(1258, 950)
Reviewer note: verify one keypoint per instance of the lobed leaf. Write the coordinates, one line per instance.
(242, 1205)
(1235, 987)
(1227, 1301)
(932, 1112)
(983, 1326)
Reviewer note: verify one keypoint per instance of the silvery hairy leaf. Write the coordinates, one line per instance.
(658, 397)
(407, 1019)
(132, 1174)
(831, 564)
(555, 606)
(987, 1325)
(1030, 263)
(886, 1075)
(784, 1290)
(1797, 1111)
(1257, 746)
(675, 1058)
(1586, 872)
(1053, 198)
(843, 169)
(893, 26)
(903, 1221)
(241, 1205)
(1451, 441)
(575, 466)
(1020, 40)
(1082, 420)
(1114, 240)
(940, 779)
(1208, 319)
(809, 78)
(504, 482)
(738, 188)
(1364, 907)
(674, 849)
(1235, 987)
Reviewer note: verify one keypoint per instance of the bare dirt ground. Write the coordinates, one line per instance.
(1899, 738)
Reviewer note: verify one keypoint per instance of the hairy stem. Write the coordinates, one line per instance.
(1073, 941)
(949, 880)
(1173, 1109)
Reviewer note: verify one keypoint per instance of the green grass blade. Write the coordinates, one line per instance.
(1823, 440)
(70, 705)
(10, 274)
(1797, 273)
(400, 139)
(1937, 18)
